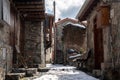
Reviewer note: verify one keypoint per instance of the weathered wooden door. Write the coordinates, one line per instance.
(98, 46)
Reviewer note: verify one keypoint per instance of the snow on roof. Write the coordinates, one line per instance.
(78, 55)
(75, 24)
(71, 51)
(66, 20)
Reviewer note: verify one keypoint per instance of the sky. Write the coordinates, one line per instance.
(64, 8)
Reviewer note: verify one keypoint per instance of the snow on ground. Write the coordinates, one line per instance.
(59, 72)
(59, 67)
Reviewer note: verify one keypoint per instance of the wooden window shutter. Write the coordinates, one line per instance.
(103, 16)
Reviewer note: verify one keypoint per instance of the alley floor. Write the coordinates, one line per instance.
(60, 72)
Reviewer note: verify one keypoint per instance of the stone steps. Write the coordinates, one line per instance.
(43, 69)
(14, 76)
(21, 72)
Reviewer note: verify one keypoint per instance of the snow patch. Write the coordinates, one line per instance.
(78, 55)
(59, 72)
(77, 25)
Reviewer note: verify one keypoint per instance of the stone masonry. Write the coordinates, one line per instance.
(59, 41)
(32, 42)
(111, 43)
(5, 50)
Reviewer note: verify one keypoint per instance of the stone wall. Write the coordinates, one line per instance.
(49, 55)
(90, 40)
(59, 40)
(2, 74)
(74, 38)
(59, 45)
(112, 46)
(5, 50)
(32, 46)
(111, 38)
(111, 66)
(115, 33)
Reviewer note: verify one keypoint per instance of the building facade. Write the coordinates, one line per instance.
(59, 54)
(103, 25)
(74, 37)
(20, 34)
(60, 57)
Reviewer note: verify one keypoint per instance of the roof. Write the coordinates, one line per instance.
(31, 9)
(86, 9)
(75, 25)
(67, 19)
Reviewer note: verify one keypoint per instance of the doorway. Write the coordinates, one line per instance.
(98, 45)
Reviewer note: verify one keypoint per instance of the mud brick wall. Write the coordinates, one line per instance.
(32, 42)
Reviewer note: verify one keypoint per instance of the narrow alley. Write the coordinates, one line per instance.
(59, 39)
(60, 72)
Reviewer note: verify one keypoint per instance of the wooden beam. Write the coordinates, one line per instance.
(29, 3)
(34, 16)
(30, 6)
(31, 19)
(33, 13)
(24, 10)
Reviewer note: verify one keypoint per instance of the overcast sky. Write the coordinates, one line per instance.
(64, 8)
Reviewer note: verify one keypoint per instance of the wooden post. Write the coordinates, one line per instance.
(42, 47)
(54, 33)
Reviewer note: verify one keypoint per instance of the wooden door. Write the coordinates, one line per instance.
(98, 46)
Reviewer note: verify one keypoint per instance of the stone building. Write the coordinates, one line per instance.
(103, 31)
(58, 39)
(21, 34)
(59, 45)
(74, 37)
